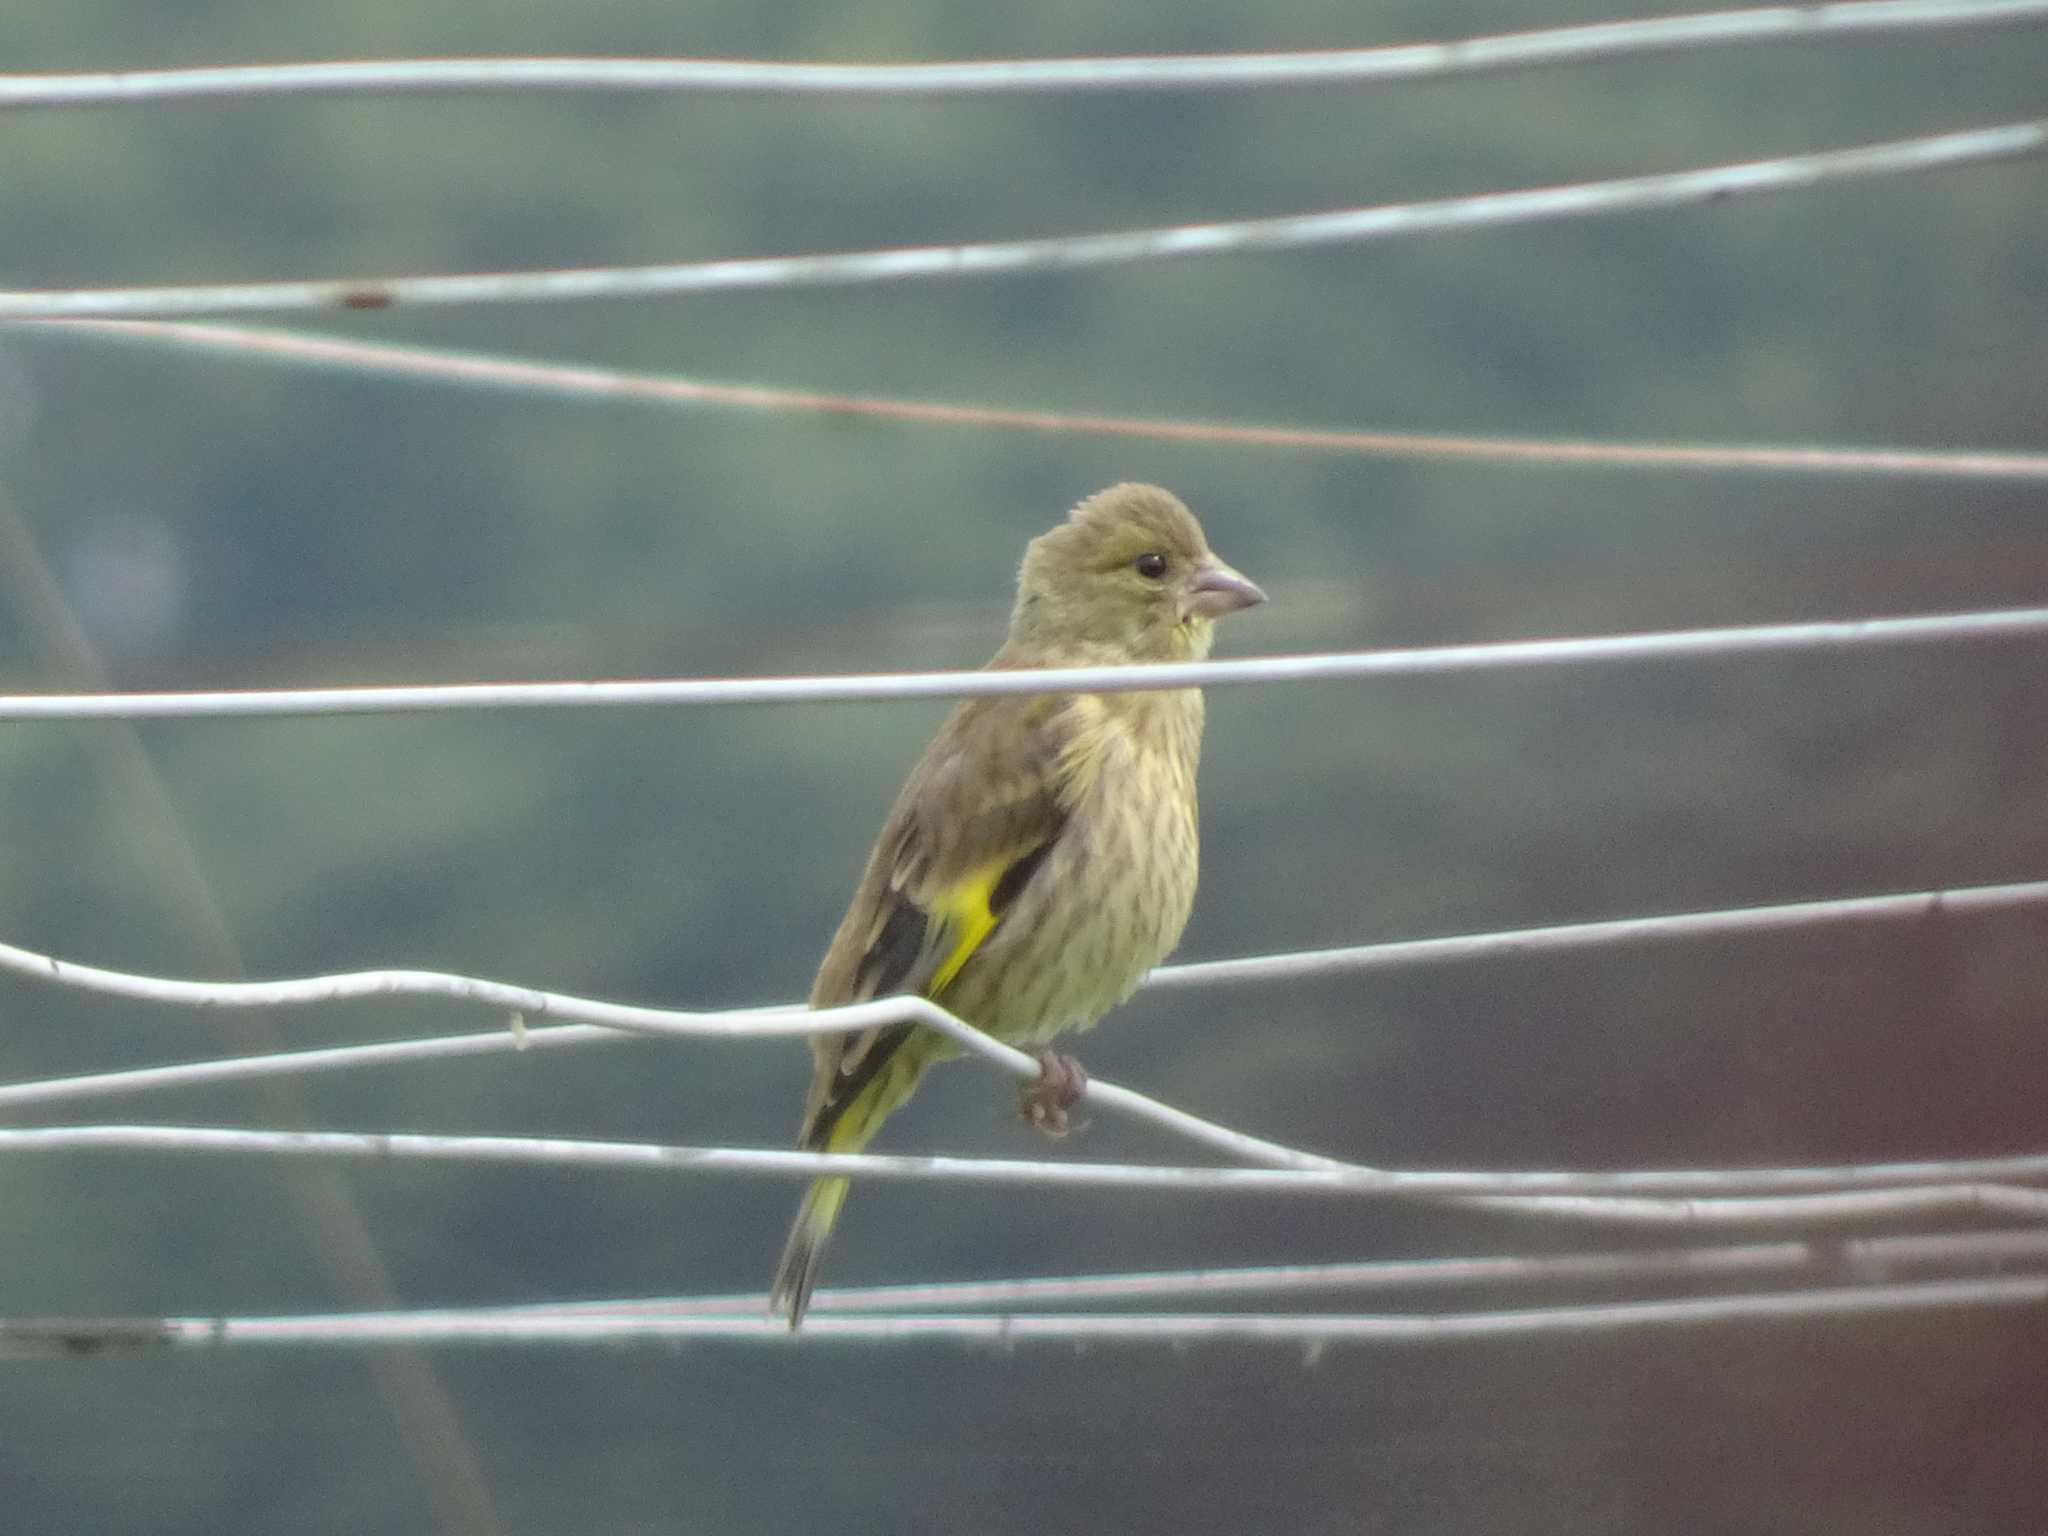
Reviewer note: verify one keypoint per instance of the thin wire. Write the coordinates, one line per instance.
(527, 1002)
(536, 376)
(1904, 906)
(1348, 226)
(338, 1058)
(1421, 661)
(1264, 1280)
(1868, 1259)
(1202, 72)
(65, 1336)
(1698, 1196)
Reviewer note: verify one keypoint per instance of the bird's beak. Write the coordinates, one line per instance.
(1216, 590)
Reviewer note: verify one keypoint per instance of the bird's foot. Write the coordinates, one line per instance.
(1045, 1100)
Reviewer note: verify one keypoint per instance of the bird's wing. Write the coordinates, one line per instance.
(976, 818)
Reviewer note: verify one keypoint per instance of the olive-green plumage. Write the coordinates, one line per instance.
(1041, 856)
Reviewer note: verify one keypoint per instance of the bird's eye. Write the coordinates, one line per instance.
(1151, 566)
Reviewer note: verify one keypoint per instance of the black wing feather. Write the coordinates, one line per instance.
(882, 970)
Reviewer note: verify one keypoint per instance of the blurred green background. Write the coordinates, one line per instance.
(216, 523)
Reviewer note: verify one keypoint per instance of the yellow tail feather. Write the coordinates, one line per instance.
(851, 1129)
(797, 1275)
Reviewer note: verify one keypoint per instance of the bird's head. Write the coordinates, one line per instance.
(1128, 577)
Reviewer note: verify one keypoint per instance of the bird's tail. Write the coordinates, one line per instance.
(797, 1276)
(843, 1124)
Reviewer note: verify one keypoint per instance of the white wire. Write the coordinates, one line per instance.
(1691, 1196)
(582, 381)
(1868, 1259)
(1902, 906)
(1348, 226)
(1202, 72)
(94, 1336)
(336, 1058)
(527, 1002)
(1421, 661)
(1905, 906)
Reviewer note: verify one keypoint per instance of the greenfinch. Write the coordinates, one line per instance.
(1041, 856)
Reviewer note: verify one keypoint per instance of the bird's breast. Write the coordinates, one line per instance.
(1107, 905)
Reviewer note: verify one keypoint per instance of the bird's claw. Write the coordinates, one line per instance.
(1045, 1100)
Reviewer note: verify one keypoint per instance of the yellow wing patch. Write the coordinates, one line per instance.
(965, 911)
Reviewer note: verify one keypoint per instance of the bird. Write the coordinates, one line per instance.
(1041, 855)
